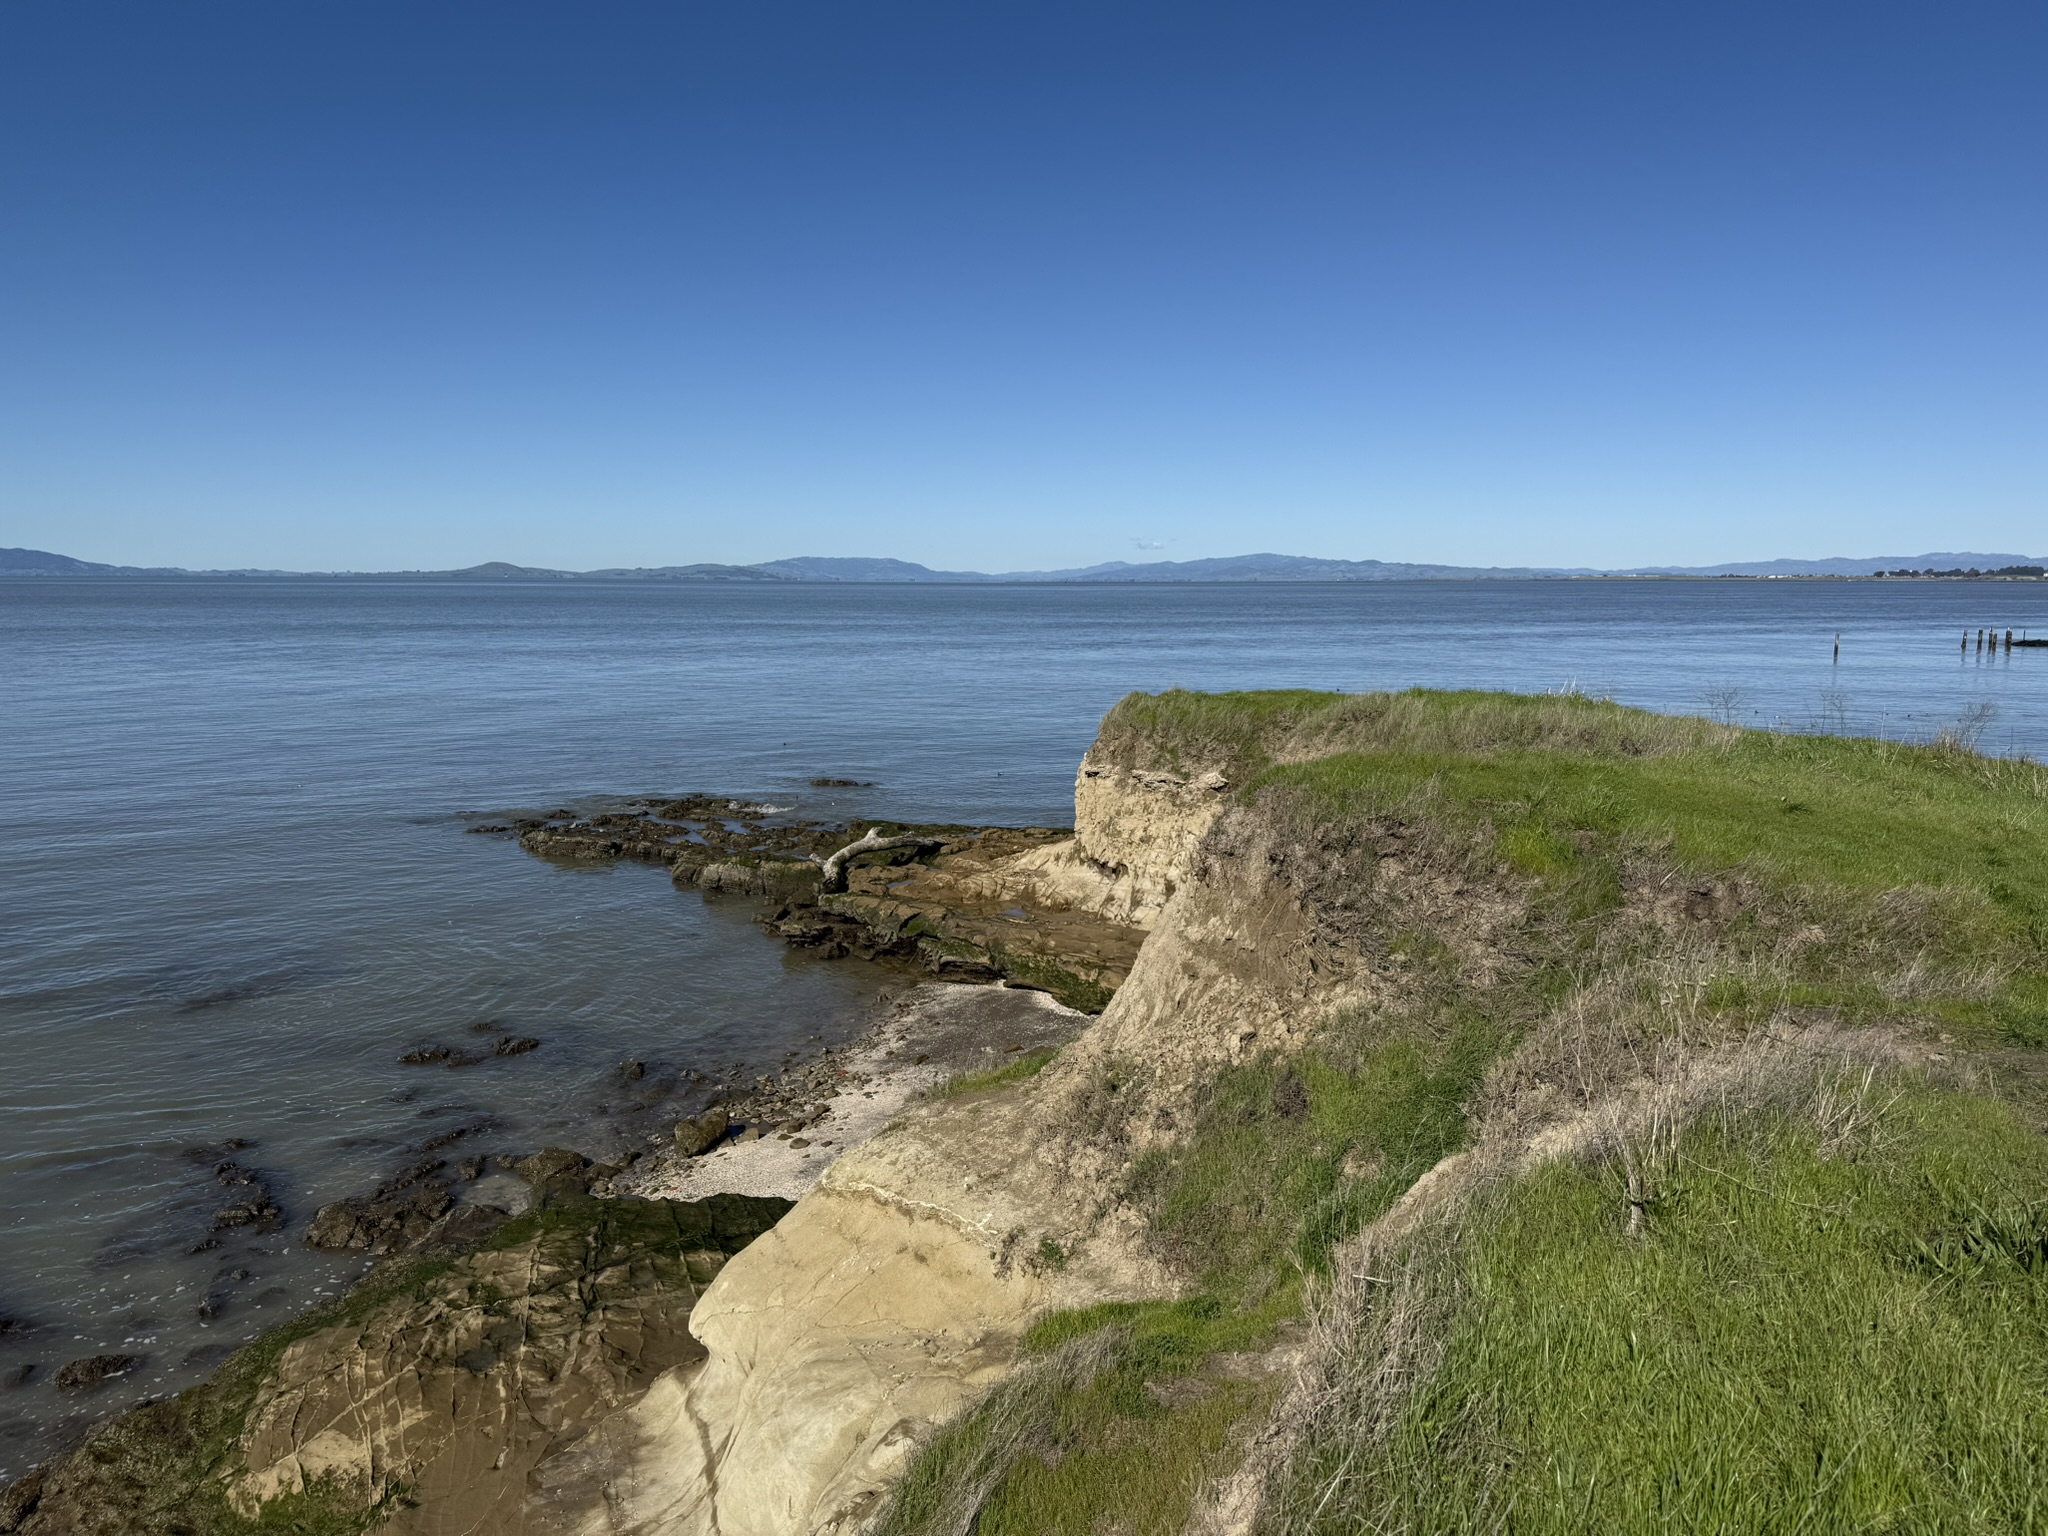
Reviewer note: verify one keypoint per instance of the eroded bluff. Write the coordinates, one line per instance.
(902, 1286)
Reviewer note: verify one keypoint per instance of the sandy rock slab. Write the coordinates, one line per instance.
(451, 1395)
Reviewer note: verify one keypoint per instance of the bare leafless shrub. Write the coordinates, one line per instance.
(1968, 729)
(1724, 701)
(1832, 718)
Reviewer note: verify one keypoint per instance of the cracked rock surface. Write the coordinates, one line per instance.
(457, 1391)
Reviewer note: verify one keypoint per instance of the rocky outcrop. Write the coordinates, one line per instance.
(92, 1371)
(397, 1215)
(430, 1401)
(972, 908)
(969, 904)
(1065, 914)
(1137, 833)
(767, 877)
(456, 1393)
(703, 1132)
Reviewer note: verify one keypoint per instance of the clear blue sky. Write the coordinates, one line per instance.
(365, 285)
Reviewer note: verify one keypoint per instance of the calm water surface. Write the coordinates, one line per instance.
(235, 882)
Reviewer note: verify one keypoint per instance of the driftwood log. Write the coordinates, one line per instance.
(835, 865)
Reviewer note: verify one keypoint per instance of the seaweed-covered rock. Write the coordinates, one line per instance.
(92, 1371)
(395, 1217)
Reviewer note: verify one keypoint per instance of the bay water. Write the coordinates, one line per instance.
(237, 880)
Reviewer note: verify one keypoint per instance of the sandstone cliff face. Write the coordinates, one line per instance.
(902, 1285)
(1136, 833)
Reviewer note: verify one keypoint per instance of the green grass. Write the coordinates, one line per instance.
(1191, 731)
(1161, 1340)
(1019, 1069)
(1797, 810)
(1291, 1157)
(1244, 733)
(1109, 1425)
(1114, 1469)
(1914, 881)
(1800, 1343)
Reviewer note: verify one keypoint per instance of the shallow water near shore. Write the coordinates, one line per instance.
(237, 882)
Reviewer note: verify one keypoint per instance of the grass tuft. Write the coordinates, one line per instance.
(1022, 1068)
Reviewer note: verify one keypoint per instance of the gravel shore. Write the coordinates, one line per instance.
(790, 1128)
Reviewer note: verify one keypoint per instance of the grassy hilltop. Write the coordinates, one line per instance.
(1730, 1100)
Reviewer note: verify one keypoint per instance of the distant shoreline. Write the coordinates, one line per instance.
(461, 579)
(1233, 570)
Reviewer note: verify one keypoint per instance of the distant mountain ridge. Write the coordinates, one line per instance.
(33, 563)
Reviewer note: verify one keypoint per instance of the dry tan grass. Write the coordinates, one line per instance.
(1482, 724)
(1242, 733)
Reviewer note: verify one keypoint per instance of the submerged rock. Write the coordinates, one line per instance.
(256, 1209)
(396, 1216)
(554, 1166)
(92, 1371)
(703, 1133)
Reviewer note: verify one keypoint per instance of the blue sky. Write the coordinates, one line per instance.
(1007, 286)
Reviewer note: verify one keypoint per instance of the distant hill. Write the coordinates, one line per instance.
(1234, 568)
(753, 573)
(817, 568)
(40, 562)
(1840, 567)
(1287, 568)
